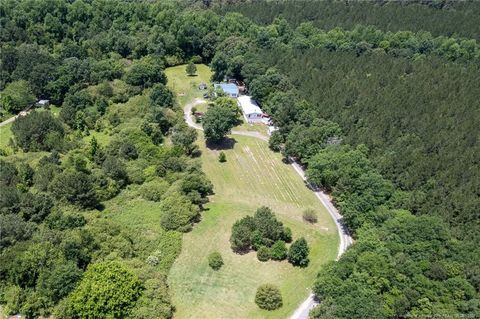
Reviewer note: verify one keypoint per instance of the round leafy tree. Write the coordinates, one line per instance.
(217, 123)
(215, 260)
(279, 250)
(107, 290)
(263, 253)
(268, 297)
(298, 253)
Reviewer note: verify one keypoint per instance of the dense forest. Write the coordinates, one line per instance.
(378, 100)
(439, 17)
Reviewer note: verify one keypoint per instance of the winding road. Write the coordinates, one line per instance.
(345, 239)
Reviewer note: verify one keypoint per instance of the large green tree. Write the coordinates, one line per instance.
(217, 123)
(16, 96)
(107, 290)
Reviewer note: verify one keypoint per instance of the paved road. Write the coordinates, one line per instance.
(345, 239)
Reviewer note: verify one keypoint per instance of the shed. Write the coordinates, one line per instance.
(42, 103)
(250, 109)
(202, 86)
(229, 88)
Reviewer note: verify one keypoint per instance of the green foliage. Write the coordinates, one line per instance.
(263, 229)
(38, 131)
(58, 283)
(16, 96)
(74, 187)
(215, 260)
(279, 250)
(191, 69)
(184, 136)
(310, 216)
(298, 253)
(161, 96)
(222, 158)
(263, 253)
(217, 123)
(268, 297)
(155, 301)
(276, 141)
(146, 72)
(107, 289)
(178, 212)
(154, 190)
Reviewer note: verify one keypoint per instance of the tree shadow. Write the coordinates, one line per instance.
(226, 143)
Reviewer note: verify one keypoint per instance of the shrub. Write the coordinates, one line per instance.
(154, 190)
(222, 158)
(178, 213)
(298, 253)
(279, 250)
(287, 235)
(215, 260)
(268, 297)
(310, 216)
(263, 253)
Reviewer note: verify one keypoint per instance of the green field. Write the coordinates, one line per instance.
(184, 86)
(252, 176)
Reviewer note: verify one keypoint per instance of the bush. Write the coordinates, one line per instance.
(263, 253)
(178, 213)
(154, 190)
(310, 216)
(279, 250)
(298, 253)
(222, 158)
(215, 260)
(268, 297)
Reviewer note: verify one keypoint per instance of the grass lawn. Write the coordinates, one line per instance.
(252, 176)
(184, 86)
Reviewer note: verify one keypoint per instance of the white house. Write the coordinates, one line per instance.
(251, 111)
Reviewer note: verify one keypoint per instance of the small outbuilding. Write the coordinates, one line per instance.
(250, 109)
(42, 103)
(202, 86)
(229, 88)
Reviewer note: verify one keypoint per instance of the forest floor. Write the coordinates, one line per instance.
(252, 176)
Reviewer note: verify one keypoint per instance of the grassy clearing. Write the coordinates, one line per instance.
(186, 86)
(252, 176)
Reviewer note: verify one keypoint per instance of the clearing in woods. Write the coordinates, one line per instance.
(252, 176)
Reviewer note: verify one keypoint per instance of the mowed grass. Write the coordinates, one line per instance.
(186, 87)
(252, 176)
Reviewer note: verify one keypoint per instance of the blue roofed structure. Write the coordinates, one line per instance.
(229, 88)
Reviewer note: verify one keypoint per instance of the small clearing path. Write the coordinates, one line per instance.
(346, 240)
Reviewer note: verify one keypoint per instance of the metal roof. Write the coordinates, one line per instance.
(248, 105)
